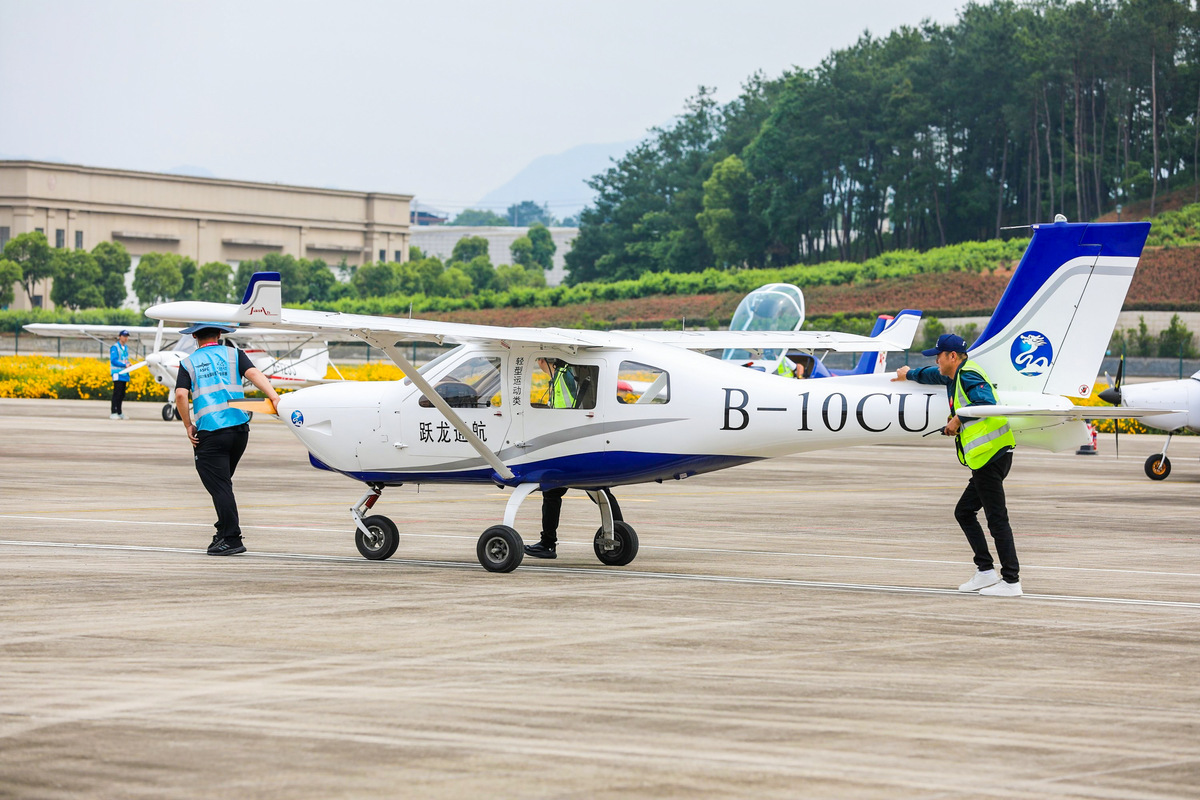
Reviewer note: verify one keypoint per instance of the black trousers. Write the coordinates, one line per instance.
(551, 510)
(217, 457)
(118, 395)
(986, 490)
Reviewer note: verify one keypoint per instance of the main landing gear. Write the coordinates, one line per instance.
(500, 548)
(1158, 466)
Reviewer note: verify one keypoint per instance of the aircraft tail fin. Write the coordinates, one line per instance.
(899, 329)
(1049, 332)
(263, 299)
(262, 305)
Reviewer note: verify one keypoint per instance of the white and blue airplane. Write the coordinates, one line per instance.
(478, 414)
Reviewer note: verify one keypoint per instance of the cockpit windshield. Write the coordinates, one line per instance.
(774, 307)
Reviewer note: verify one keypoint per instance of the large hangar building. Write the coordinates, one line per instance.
(206, 219)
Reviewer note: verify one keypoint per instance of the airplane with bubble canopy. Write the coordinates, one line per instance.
(780, 307)
(479, 413)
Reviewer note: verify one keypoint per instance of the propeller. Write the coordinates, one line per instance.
(1113, 395)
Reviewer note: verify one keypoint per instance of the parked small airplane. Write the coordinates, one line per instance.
(289, 370)
(1166, 395)
(480, 413)
(780, 307)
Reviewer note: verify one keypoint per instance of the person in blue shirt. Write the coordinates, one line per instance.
(118, 362)
(213, 377)
(985, 445)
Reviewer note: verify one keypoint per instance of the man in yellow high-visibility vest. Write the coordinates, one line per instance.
(562, 390)
(985, 445)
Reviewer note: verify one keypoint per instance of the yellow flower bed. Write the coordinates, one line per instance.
(70, 379)
(376, 371)
(41, 377)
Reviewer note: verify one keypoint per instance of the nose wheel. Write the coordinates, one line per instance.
(169, 413)
(380, 540)
(1158, 467)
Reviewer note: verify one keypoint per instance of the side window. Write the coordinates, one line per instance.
(555, 383)
(475, 383)
(642, 383)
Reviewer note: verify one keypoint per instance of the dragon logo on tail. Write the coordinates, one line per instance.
(1031, 353)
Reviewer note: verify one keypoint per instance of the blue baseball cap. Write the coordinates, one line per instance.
(123, 333)
(947, 343)
(196, 327)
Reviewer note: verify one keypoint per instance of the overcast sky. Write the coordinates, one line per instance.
(445, 100)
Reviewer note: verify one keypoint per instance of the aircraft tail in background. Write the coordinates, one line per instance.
(1051, 328)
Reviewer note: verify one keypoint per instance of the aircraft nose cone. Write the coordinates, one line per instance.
(1112, 396)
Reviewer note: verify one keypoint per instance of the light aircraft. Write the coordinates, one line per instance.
(780, 307)
(1183, 394)
(478, 413)
(288, 370)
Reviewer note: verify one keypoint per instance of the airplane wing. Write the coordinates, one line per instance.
(362, 326)
(105, 333)
(898, 335)
(1074, 412)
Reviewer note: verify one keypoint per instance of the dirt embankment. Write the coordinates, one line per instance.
(1166, 280)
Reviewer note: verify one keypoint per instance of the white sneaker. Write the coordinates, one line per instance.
(1003, 589)
(122, 416)
(114, 416)
(979, 580)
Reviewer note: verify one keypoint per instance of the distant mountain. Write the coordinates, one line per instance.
(558, 180)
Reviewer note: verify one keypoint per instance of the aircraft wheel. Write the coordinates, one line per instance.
(168, 412)
(249, 416)
(622, 550)
(383, 540)
(500, 549)
(1158, 467)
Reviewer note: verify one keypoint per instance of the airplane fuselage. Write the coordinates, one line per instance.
(710, 415)
(1183, 394)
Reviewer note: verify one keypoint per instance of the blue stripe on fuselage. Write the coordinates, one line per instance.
(586, 470)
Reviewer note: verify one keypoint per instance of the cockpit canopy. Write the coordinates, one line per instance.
(774, 307)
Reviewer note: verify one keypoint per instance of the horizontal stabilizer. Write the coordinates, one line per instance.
(1075, 412)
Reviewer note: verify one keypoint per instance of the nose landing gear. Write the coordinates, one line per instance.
(376, 536)
(1158, 466)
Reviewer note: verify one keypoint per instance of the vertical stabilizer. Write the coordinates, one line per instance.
(1052, 326)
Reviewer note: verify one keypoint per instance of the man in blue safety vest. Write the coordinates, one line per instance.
(562, 391)
(985, 445)
(118, 362)
(213, 376)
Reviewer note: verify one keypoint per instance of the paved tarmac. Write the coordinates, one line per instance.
(788, 630)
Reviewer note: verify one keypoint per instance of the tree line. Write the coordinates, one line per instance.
(927, 136)
(96, 279)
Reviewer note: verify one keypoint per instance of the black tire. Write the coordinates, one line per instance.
(626, 548)
(249, 416)
(500, 549)
(1158, 467)
(384, 539)
(168, 412)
